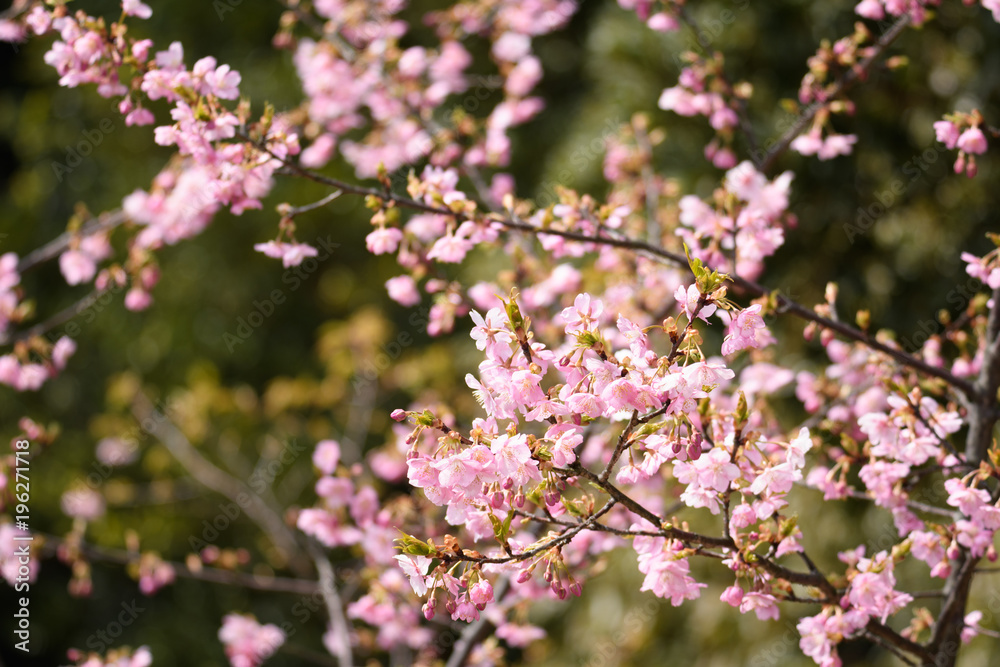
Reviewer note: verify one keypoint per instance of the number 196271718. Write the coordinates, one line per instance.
(22, 486)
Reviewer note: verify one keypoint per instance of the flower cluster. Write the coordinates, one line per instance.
(746, 221)
(963, 131)
(120, 657)
(661, 16)
(247, 642)
(703, 90)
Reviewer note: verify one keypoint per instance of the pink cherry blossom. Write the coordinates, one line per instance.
(247, 642)
(136, 8)
(744, 330)
(946, 133)
(326, 456)
(383, 240)
(77, 267)
(972, 141)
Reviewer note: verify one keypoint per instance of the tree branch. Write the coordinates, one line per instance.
(856, 73)
(56, 246)
(982, 419)
(475, 632)
(210, 574)
(216, 479)
(63, 316)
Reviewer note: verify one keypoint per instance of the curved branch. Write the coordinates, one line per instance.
(218, 480)
(785, 304)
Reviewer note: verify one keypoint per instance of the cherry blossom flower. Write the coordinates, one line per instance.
(247, 642)
(383, 240)
(972, 141)
(326, 456)
(136, 8)
(291, 254)
(744, 330)
(403, 290)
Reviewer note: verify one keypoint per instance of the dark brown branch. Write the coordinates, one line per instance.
(982, 419)
(894, 642)
(563, 538)
(785, 304)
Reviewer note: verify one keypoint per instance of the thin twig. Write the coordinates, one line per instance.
(209, 574)
(63, 316)
(212, 477)
(56, 246)
(842, 84)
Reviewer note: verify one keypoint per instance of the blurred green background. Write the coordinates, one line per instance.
(291, 380)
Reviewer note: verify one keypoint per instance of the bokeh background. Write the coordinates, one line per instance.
(291, 381)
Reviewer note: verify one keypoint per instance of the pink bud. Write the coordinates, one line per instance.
(971, 169)
(694, 451)
(523, 575)
(481, 593)
(398, 415)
